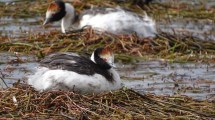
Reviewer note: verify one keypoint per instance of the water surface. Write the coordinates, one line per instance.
(163, 78)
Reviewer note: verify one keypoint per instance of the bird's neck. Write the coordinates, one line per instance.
(69, 18)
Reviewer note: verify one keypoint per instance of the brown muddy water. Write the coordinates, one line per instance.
(160, 77)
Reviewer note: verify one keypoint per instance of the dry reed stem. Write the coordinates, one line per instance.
(120, 104)
(164, 45)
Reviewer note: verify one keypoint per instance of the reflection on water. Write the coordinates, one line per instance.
(193, 79)
(207, 4)
(202, 29)
(15, 67)
(17, 27)
(6, 1)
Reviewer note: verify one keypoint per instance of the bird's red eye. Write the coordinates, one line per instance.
(105, 59)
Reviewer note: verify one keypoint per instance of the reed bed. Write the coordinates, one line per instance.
(126, 47)
(120, 104)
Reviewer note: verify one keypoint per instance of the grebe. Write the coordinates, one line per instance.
(69, 71)
(113, 20)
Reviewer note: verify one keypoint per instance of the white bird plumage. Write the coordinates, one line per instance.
(113, 20)
(47, 78)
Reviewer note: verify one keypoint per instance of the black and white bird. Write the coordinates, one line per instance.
(69, 71)
(113, 20)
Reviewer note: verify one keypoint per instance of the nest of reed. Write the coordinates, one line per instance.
(127, 47)
(22, 101)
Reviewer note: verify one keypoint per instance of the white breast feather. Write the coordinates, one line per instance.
(121, 22)
(46, 79)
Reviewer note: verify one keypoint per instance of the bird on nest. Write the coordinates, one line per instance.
(114, 20)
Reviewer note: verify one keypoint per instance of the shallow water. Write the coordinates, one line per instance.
(202, 29)
(7, 1)
(192, 79)
(15, 67)
(162, 78)
(20, 27)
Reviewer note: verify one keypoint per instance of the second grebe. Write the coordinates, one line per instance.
(113, 20)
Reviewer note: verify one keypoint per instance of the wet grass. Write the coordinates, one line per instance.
(121, 104)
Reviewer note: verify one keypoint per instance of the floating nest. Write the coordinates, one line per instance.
(23, 102)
